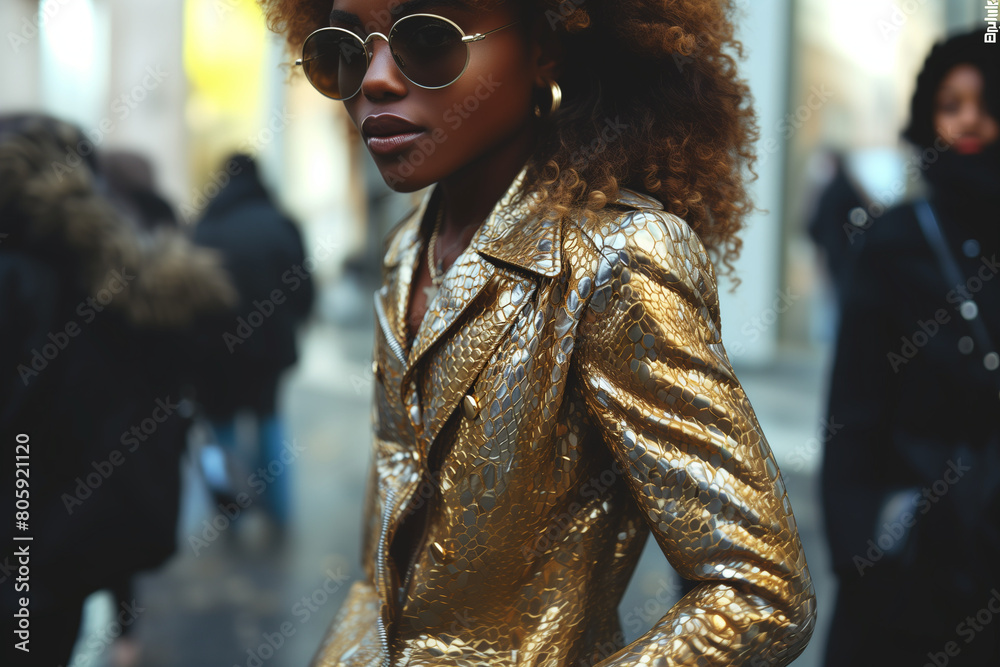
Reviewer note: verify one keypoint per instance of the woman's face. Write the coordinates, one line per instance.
(960, 115)
(419, 136)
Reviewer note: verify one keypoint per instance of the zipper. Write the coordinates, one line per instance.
(380, 558)
(390, 337)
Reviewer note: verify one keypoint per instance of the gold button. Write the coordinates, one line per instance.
(440, 554)
(374, 367)
(470, 406)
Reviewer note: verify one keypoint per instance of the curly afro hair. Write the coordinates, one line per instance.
(665, 73)
(965, 49)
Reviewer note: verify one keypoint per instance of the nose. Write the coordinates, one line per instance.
(971, 117)
(383, 77)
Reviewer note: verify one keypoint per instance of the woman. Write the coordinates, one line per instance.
(910, 483)
(551, 383)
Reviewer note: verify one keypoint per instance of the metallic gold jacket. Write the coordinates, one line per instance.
(566, 394)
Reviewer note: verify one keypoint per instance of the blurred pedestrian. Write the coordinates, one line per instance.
(95, 325)
(911, 481)
(245, 351)
(841, 201)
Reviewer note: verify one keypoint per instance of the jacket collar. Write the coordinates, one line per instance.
(511, 234)
(501, 239)
(533, 243)
(510, 237)
(505, 226)
(507, 231)
(503, 236)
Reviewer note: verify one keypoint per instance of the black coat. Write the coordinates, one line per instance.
(103, 501)
(245, 351)
(914, 409)
(95, 330)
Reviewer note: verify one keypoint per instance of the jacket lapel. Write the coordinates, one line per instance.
(465, 279)
(454, 363)
(462, 283)
(479, 299)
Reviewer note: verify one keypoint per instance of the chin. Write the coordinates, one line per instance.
(404, 177)
(399, 183)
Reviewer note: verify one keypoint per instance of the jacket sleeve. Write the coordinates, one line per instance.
(659, 386)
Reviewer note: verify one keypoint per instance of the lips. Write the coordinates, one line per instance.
(968, 145)
(386, 134)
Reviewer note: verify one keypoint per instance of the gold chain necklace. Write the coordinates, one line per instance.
(436, 270)
(436, 266)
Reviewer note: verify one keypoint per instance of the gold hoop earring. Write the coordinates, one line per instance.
(556, 92)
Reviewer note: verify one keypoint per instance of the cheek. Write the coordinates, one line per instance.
(944, 126)
(351, 106)
(491, 99)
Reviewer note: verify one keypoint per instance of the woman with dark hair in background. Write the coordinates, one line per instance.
(550, 381)
(96, 317)
(911, 483)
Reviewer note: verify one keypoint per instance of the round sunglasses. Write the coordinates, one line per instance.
(431, 52)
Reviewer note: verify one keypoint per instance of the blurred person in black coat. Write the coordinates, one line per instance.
(96, 322)
(911, 477)
(246, 351)
(840, 199)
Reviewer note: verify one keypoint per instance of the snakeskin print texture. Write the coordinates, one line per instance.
(566, 395)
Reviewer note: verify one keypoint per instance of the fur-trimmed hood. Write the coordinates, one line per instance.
(51, 207)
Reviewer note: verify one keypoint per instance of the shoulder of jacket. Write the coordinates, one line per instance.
(638, 223)
(647, 240)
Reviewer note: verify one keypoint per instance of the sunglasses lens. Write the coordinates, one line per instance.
(429, 50)
(334, 61)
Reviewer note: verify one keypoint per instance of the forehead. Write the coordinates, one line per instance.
(379, 15)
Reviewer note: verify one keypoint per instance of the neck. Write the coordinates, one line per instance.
(471, 192)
